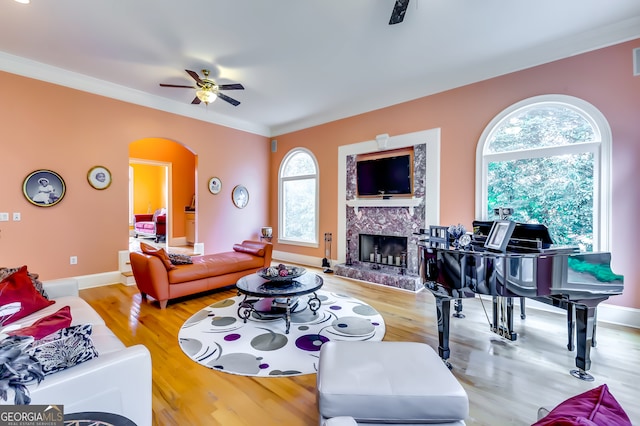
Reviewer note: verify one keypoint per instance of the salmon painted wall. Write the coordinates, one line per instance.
(70, 132)
(148, 194)
(183, 172)
(603, 77)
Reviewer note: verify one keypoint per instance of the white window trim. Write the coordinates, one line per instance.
(602, 160)
(281, 179)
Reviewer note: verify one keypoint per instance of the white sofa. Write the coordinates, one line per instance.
(117, 381)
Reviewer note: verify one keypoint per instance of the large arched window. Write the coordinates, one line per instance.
(298, 199)
(548, 158)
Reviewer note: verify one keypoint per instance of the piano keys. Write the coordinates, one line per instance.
(530, 266)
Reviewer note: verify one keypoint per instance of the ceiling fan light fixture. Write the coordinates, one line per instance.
(206, 95)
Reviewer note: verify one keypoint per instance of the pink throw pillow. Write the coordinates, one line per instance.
(18, 297)
(594, 407)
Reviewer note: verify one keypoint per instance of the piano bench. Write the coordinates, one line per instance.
(387, 383)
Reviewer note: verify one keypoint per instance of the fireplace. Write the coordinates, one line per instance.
(383, 249)
(381, 259)
(389, 225)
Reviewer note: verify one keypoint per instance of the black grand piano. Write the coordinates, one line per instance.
(510, 260)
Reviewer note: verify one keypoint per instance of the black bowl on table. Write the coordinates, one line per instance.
(292, 273)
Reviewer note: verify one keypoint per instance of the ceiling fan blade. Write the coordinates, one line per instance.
(177, 85)
(228, 99)
(236, 86)
(399, 10)
(195, 76)
(195, 101)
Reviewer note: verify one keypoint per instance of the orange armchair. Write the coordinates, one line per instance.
(151, 225)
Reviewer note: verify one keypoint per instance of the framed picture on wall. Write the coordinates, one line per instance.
(240, 196)
(44, 188)
(215, 185)
(99, 177)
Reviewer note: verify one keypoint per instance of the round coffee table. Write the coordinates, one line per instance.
(267, 299)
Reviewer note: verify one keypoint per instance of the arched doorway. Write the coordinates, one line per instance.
(169, 171)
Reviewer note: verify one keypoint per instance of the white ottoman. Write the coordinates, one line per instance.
(388, 382)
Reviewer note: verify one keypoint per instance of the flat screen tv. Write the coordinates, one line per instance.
(386, 177)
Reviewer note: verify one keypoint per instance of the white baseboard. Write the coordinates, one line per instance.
(98, 280)
(299, 259)
(612, 314)
(620, 315)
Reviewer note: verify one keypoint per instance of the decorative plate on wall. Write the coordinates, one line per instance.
(44, 188)
(215, 185)
(99, 177)
(240, 196)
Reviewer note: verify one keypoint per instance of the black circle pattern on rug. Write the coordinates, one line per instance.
(217, 338)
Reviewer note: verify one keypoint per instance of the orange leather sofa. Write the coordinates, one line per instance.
(164, 281)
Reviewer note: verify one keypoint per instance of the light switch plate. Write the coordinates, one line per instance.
(4, 217)
(17, 217)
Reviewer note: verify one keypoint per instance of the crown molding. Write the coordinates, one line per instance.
(39, 71)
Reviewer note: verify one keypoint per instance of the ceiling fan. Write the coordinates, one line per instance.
(207, 90)
(399, 9)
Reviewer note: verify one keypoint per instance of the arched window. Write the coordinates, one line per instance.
(548, 158)
(298, 199)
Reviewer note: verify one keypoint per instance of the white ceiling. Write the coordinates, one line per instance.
(302, 62)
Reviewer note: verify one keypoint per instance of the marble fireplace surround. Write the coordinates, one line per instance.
(395, 216)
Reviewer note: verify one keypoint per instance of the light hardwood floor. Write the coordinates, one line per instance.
(506, 381)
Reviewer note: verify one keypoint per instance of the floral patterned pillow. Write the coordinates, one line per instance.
(180, 259)
(64, 348)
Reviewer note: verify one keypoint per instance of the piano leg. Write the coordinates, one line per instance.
(457, 306)
(443, 307)
(584, 334)
(570, 326)
(503, 317)
(595, 322)
(523, 314)
(496, 315)
(509, 334)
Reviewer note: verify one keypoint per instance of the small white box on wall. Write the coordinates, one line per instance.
(636, 61)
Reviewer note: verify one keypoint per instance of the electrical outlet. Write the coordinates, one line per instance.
(4, 217)
(73, 260)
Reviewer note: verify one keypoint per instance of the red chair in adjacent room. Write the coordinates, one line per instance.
(151, 225)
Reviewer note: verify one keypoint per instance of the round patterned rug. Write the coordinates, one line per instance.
(217, 338)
